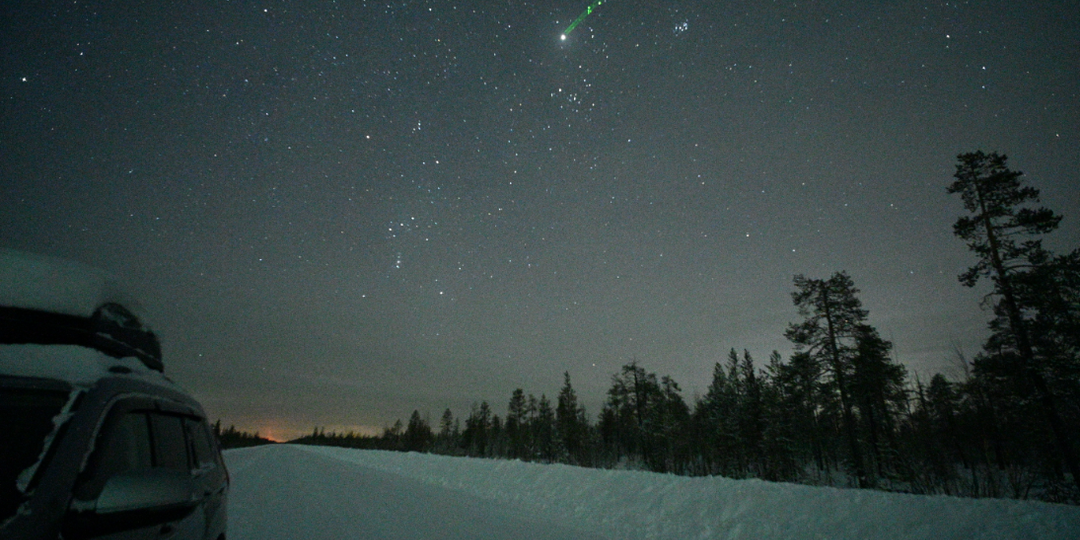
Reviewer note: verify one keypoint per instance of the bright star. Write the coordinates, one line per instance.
(563, 37)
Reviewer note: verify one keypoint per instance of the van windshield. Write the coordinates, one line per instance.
(28, 422)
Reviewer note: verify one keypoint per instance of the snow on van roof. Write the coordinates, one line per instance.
(74, 364)
(47, 300)
(55, 285)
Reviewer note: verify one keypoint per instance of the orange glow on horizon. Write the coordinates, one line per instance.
(272, 431)
(280, 431)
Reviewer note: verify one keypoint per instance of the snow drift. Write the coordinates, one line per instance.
(292, 491)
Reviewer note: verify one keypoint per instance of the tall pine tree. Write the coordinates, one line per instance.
(1003, 232)
(834, 317)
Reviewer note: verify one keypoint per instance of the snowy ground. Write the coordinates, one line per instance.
(311, 493)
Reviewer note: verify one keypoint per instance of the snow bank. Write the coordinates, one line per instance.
(628, 504)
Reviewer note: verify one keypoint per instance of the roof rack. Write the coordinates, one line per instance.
(53, 301)
(112, 329)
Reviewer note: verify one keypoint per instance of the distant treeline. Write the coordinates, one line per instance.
(234, 438)
(840, 411)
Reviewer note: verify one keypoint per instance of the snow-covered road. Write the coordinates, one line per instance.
(290, 492)
(312, 493)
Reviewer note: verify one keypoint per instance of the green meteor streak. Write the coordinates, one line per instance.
(580, 18)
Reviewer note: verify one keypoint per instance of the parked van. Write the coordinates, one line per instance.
(95, 440)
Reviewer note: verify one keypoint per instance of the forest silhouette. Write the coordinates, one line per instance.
(840, 411)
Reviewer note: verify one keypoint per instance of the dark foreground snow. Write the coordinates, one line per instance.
(310, 493)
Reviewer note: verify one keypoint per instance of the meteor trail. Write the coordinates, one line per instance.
(580, 18)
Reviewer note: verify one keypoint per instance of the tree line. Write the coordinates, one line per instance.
(840, 411)
(231, 437)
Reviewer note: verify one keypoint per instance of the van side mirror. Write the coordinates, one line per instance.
(132, 500)
(150, 489)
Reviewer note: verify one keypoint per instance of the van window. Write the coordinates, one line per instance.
(26, 421)
(124, 445)
(138, 439)
(170, 448)
(201, 447)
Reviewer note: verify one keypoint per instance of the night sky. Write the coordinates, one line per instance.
(338, 212)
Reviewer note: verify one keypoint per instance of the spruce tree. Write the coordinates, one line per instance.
(877, 387)
(716, 424)
(751, 425)
(625, 415)
(447, 439)
(571, 423)
(542, 429)
(478, 430)
(516, 424)
(418, 434)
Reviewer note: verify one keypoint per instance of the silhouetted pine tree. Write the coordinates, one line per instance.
(718, 444)
(1003, 232)
(750, 415)
(779, 425)
(418, 435)
(626, 411)
(542, 430)
(448, 440)
(476, 437)
(834, 316)
(571, 424)
(517, 429)
(799, 387)
(878, 390)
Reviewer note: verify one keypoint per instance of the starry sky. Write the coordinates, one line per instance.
(337, 212)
